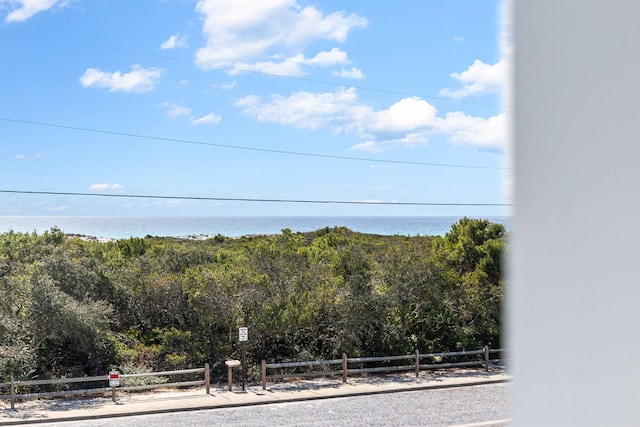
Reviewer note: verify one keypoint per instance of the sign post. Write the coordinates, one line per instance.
(243, 337)
(114, 381)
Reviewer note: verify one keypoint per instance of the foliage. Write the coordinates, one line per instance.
(76, 307)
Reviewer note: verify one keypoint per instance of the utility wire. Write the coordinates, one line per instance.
(239, 147)
(370, 89)
(241, 199)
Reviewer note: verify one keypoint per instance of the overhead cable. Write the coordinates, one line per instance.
(239, 147)
(245, 199)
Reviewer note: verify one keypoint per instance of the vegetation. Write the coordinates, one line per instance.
(73, 307)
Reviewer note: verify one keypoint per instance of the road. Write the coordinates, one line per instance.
(484, 405)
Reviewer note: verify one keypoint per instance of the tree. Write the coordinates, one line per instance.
(69, 337)
(472, 252)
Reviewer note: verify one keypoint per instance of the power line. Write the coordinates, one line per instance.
(243, 199)
(370, 89)
(239, 147)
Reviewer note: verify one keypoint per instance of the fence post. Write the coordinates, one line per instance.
(207, 378)
(486, 358)
(344, 368)
(264, 374)
(13, 394)
(417, 363)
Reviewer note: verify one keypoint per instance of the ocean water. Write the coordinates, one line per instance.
(125, 227)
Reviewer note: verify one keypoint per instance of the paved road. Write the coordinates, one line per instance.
(477, 405)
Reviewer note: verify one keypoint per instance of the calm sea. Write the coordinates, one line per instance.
(125, 227)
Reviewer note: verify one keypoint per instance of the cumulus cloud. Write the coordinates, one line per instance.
(353, 73)
(464, 129)
(294, 65)
(175, 41)
(482, 78)
(209, 118)
(408, 122)
(269, 35)
(479, 79)
(325, 59)
(175, 111)
(21, 10)
(404, 116)
(333, 110)
(138, 80)
(105, 187)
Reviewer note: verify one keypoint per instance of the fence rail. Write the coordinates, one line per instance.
(330, 365)
(13, 385)
(316, 368)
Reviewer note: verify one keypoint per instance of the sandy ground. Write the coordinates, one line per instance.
(87, 402)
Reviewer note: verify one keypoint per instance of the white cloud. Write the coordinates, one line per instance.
(268, 35)
(369, 146)
(175, 111)
(293, 66)
(463, 129)
(404, 116)
(209, 118)
(175, 41)
(458, 39)
(138, 80)
(333, 110)
(26, 157)
(290, 66)
(325, 59)
(353, 73)
(105, 187)
(21, 10)
(224, 86)
(408, 122)
(480, 79)
(408, 140)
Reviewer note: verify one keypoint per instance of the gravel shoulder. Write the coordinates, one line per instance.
(171, 400)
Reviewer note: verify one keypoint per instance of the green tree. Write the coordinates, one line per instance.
(69, 337)
(472, 253)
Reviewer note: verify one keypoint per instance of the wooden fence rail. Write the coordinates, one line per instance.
(341, 366)
(13, 385)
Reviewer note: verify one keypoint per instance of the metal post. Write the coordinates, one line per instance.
(417, 363)
(244, 365)
(13, 394)
(207, 378)
(264, 374)
(486, 358)
(344, 368)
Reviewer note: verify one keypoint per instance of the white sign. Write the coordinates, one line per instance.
(114, 379)
(243, 334)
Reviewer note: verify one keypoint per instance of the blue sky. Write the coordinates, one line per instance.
(245, 99)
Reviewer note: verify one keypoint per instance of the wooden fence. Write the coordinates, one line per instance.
(335, 367)
(386, 364)
(13, 385)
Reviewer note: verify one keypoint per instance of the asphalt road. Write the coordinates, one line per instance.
(484, 405)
